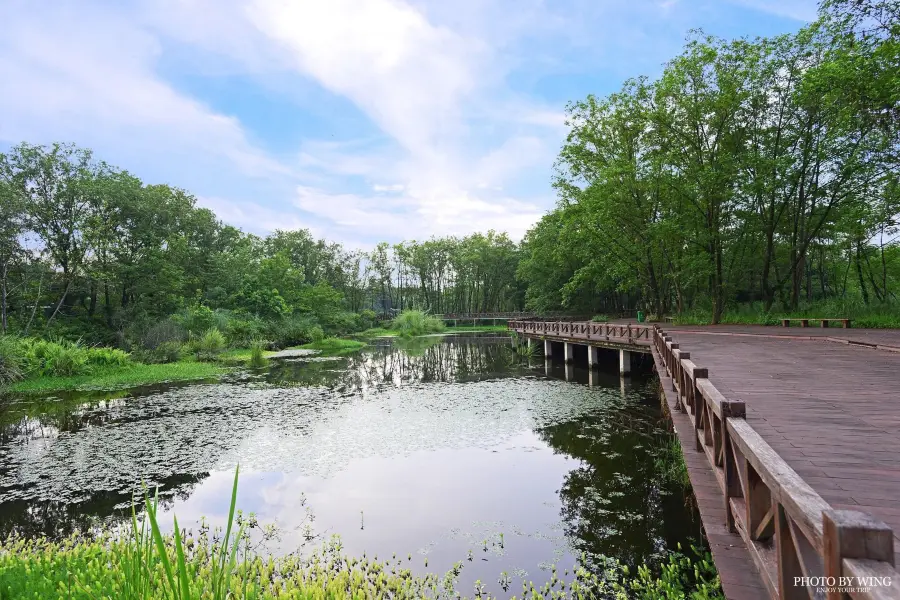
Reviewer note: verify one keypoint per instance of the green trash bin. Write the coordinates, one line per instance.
(640, 316)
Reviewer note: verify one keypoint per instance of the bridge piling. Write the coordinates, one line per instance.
(624, 362)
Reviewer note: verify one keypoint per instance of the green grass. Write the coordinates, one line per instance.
(120, 377)
(411, 323)
(141, 563)
(334, 345)
(378, 332)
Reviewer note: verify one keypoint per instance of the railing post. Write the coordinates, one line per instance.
(731, 409)
(853, 534)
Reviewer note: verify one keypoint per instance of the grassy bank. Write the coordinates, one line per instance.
(334, 346)
(141, 563)
(111, 378)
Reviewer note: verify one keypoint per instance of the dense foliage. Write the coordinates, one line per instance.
(90, 252)
(758, 170)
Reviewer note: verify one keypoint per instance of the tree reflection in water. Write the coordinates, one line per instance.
(71, 462)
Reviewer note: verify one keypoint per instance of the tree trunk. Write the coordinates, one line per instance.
(859, 274)
(59, 304)
(92, 307)
(4, 325)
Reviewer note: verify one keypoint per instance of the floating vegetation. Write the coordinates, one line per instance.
(140, 563)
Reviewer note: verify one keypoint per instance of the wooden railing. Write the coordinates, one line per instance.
(586, 331)
(797, 540)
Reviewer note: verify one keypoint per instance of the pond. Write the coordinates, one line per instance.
(441, 450)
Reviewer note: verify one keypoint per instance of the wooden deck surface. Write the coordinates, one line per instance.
(826, 400)
(830, 410)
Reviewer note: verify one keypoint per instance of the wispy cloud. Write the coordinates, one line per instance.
(459, 104)
(800, 10)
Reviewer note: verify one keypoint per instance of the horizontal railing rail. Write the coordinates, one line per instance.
(586, 331)
(802, 547)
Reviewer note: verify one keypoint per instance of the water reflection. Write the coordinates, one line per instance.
(431, 448)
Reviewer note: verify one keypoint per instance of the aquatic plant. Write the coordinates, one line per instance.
(416, 322)
(258, 354)
(140, 563)
(521, 346)
(668, 463)
(333, 345)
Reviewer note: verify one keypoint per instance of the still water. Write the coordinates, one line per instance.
(446, 449)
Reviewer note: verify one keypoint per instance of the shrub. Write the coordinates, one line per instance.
(166, 352)
(108, 357)
(197, 320)
(316, 334)
(600, 318)
(65, 359)
(167, 331)
(211, 344)
(242, 332)
(12, 360)
(257, 354)
(367, 319)
(291, 331)
(416, 322)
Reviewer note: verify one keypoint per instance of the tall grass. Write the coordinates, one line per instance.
(416, 322)
(668, 463)
(258, 354)
(29, 357)
(878, 316)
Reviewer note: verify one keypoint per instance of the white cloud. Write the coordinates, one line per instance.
(95, 83)
(420, 213)
(464, 144)
(406, 74)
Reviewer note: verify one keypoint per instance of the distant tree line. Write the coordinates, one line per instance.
(89, 250)
(751, 171)
(760, 170)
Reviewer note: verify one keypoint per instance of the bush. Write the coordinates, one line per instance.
(12, 360)
(211, 344)
(600, 318)
(257, 354)
(167, 331)
(291, 331)
(243, 332)
(108, 357)
(416, 322)
(64, 359)
(166, 352)
(316, 334)
(197, 320)
(367, 319)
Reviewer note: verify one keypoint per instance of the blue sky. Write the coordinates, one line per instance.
(362, 120)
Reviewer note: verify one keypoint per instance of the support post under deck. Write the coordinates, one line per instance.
(624, 362)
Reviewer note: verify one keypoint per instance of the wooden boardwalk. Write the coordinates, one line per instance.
(832, 412)
(780, 426)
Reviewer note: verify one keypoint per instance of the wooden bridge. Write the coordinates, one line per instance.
(792, 442)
